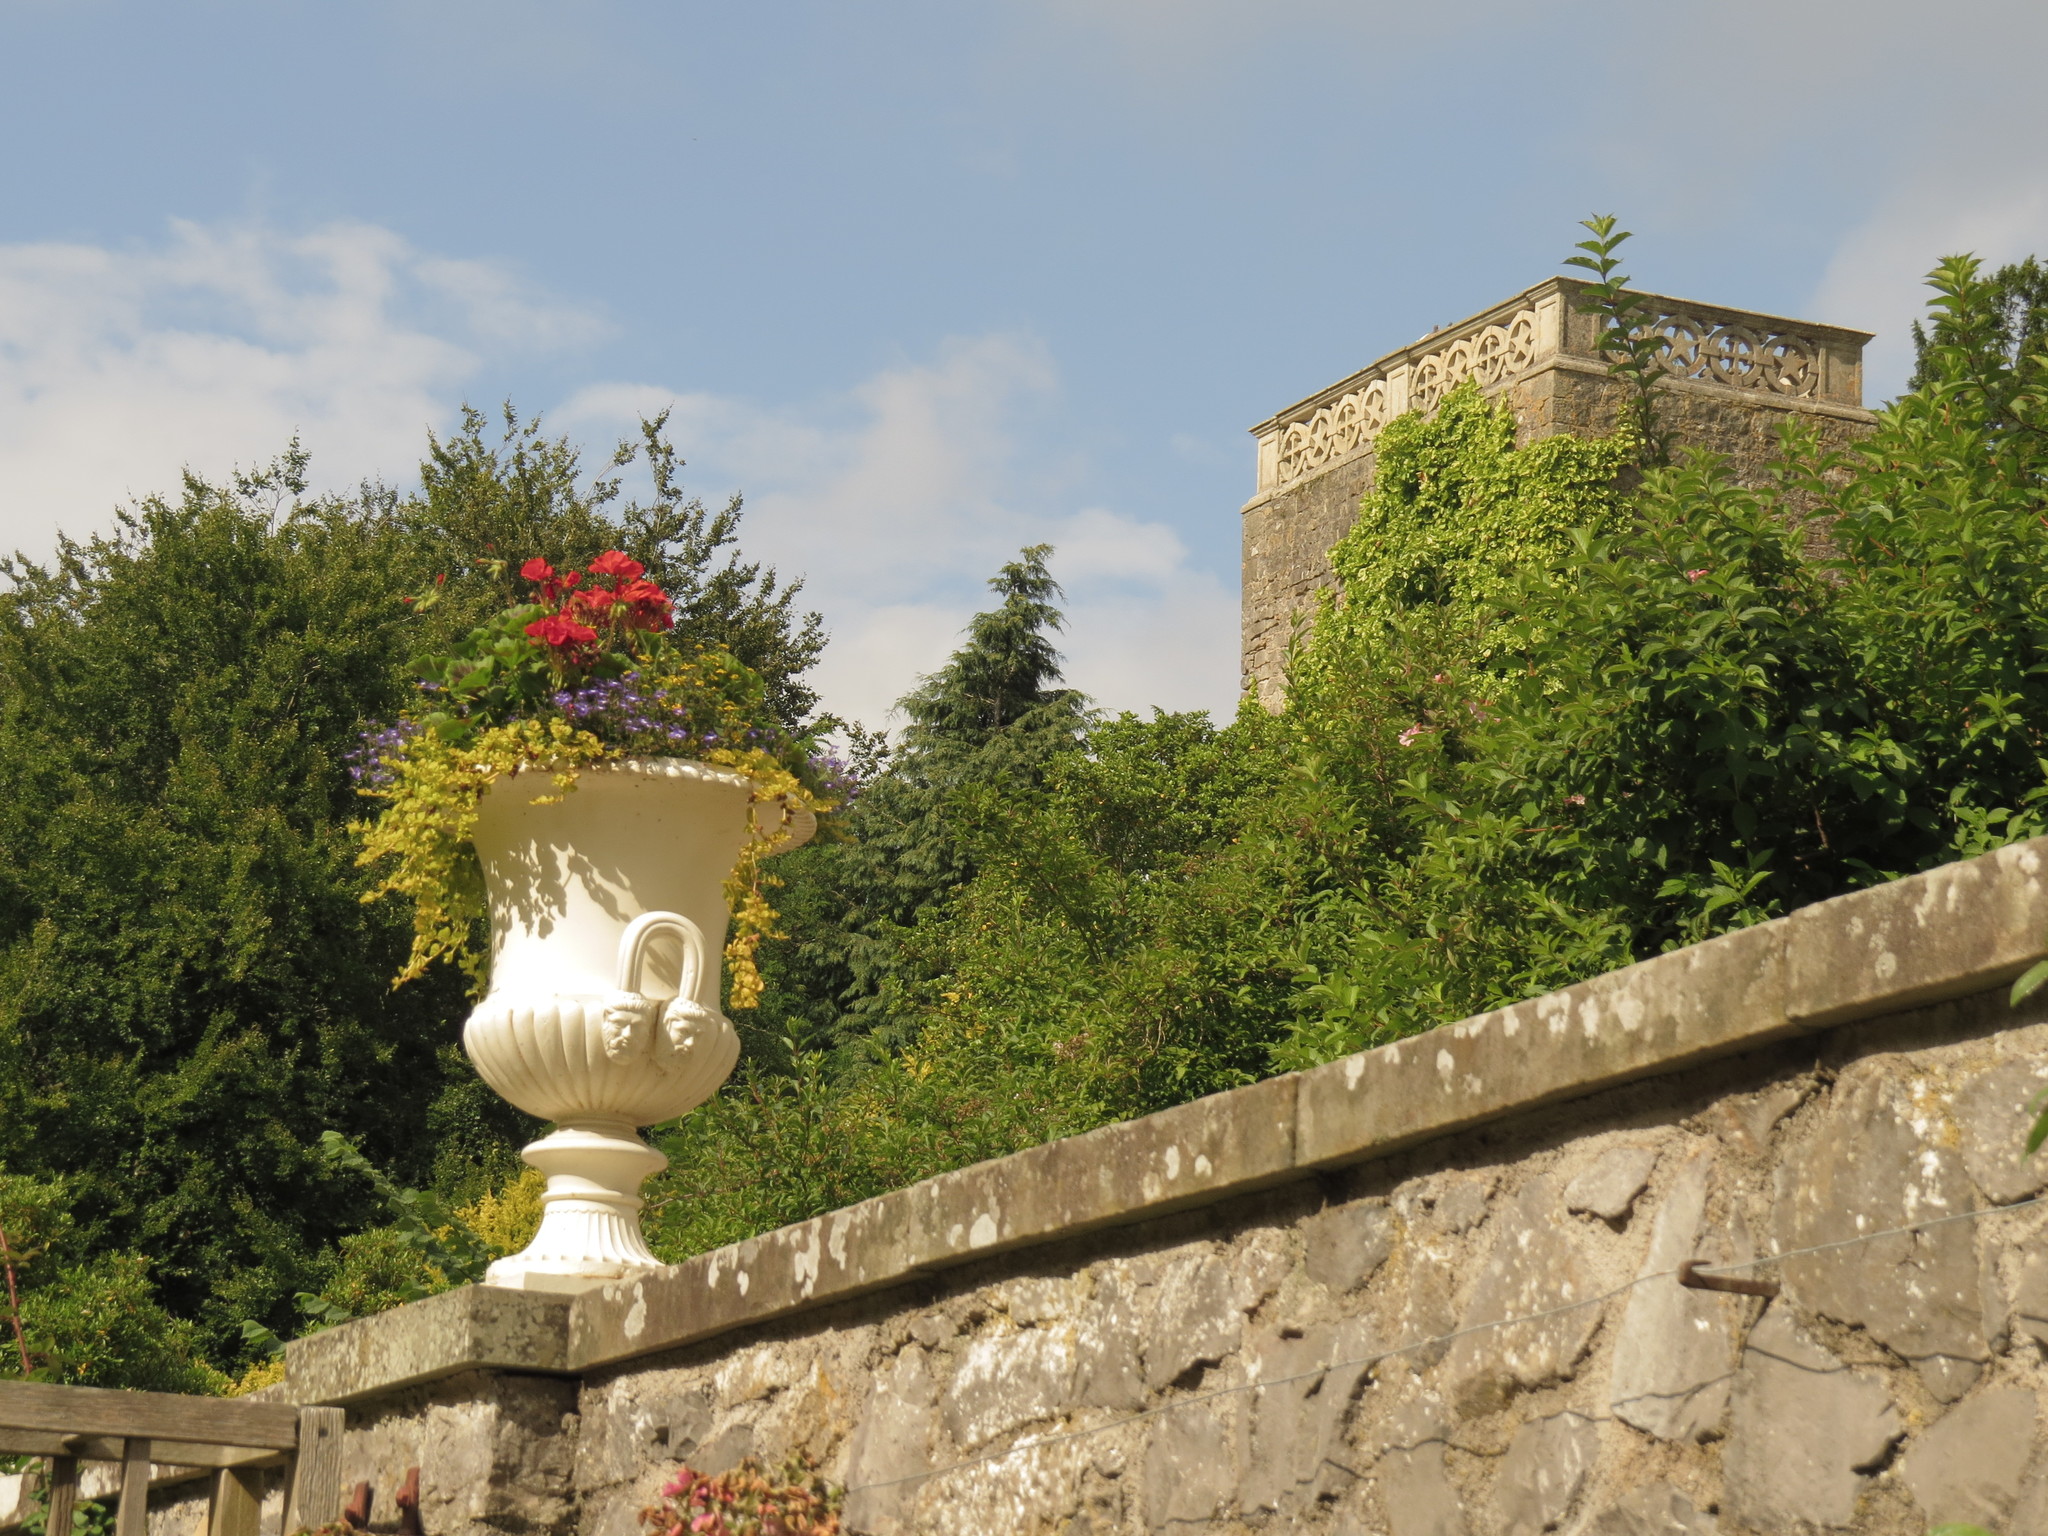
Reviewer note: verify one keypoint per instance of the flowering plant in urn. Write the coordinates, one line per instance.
(602, 798)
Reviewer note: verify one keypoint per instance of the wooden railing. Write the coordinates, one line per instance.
(236, 1440)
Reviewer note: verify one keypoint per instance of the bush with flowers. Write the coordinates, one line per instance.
(585, 672)
(747, 1501)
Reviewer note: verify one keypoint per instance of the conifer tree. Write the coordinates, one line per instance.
(992, 717)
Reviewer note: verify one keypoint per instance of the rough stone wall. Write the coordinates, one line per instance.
(1426, 1290)
(1287, 541)
(1894, 1384)
(1246, 1367)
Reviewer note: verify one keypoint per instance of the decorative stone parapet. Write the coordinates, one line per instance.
(1429, 1288)
(1760, 356)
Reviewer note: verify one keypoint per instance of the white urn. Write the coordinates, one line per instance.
(608, 919)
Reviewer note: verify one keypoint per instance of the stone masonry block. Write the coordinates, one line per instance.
(1804, 1432)
(1003, 1380)
(1191, 1465)
(1995, 1120)
(1958, 929)
(1674, 1357)
(1610, 1186)
(1876, 1164)
(892, 1446)
(1532, 1267)
(478, 1327)
(1971, 1463)
(1543, 1471)
(1415, 1485)
(1195, 1320)
(1346, 1245)
(1307, 1384)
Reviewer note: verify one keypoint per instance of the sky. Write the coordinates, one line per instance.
(926, 282)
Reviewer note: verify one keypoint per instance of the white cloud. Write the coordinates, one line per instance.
(119, 368)
(1146, 628)
(1879, 270)
(897, 501)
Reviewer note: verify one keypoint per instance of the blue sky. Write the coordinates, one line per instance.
(926, 281)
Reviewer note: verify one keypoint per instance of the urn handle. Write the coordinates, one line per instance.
(630, 1015)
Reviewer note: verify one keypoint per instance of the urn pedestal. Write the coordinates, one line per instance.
(608, 918)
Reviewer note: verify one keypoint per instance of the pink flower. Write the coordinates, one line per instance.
(1574, 799)
(1413, 734)
(1696, 575)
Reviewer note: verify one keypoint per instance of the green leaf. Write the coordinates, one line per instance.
(2029, 982)
(2039, 1134)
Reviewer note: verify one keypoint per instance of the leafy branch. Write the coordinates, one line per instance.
(1629, 336)
(420, 1220)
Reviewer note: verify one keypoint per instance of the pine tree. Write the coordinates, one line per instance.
(993, 716)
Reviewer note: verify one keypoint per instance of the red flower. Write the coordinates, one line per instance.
(647, 606)
(591, 604)
(562, 634)
(616, 563)
(543, 575)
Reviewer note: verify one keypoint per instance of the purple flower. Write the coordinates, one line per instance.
(369, 764)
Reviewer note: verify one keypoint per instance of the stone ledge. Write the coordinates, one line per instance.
(1190, 1155)
(479, 1327)
(1960, 929)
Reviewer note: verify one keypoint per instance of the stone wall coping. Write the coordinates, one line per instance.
(1960, 929)
(479, 1327)
(1569, 288)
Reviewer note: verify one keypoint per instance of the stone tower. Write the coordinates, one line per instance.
(1731, 378)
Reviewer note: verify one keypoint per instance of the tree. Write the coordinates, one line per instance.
(191, 989)
(2006, 323)
(988, 721)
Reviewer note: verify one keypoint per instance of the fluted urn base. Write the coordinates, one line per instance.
(590, 1216)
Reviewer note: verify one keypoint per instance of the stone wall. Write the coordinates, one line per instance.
(1732, 379)
(1429, 1290)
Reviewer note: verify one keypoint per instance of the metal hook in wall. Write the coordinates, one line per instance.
(408, 1501)
(356, 1513)
(1689, 1276)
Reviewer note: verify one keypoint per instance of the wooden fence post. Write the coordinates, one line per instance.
(314, 1498)
(132, 1519)
(63, 1495)
(237, 1503)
